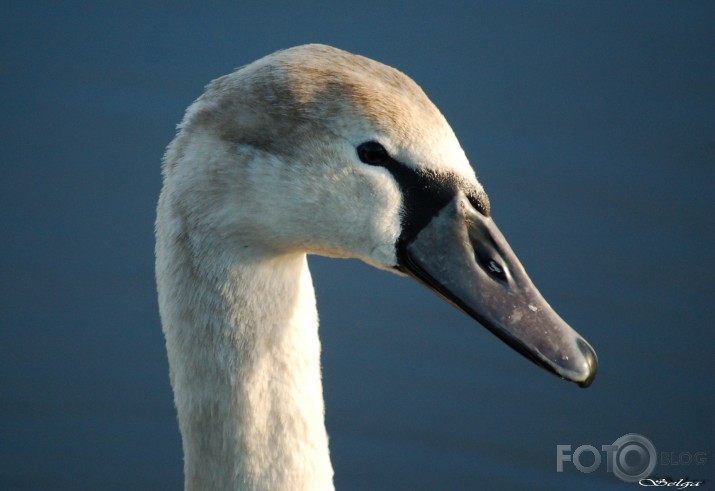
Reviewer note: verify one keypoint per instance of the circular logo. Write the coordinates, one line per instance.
(635, 457)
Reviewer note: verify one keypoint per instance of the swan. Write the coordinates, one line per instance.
(313, 150)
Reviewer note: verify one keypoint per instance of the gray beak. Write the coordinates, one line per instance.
(461, 255)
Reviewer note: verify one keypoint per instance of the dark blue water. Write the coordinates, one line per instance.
(592, 127)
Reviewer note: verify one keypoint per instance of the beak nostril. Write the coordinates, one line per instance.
(496, 269)
(486, 252)
(491, 266)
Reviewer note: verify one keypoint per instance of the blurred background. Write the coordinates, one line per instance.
(591, 126)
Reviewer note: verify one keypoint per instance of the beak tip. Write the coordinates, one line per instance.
(591, 362)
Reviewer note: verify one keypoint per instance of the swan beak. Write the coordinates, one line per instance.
(462, 256)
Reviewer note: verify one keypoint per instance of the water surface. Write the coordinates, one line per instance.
(592, 127)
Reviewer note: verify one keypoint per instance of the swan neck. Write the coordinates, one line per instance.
(244, 353)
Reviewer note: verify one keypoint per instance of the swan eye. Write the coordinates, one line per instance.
(372, 153)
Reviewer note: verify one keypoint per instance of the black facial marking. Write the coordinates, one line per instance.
(425, 193)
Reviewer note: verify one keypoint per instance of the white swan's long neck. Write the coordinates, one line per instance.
(244, 352)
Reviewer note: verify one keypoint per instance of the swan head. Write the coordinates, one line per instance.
(316, 150)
